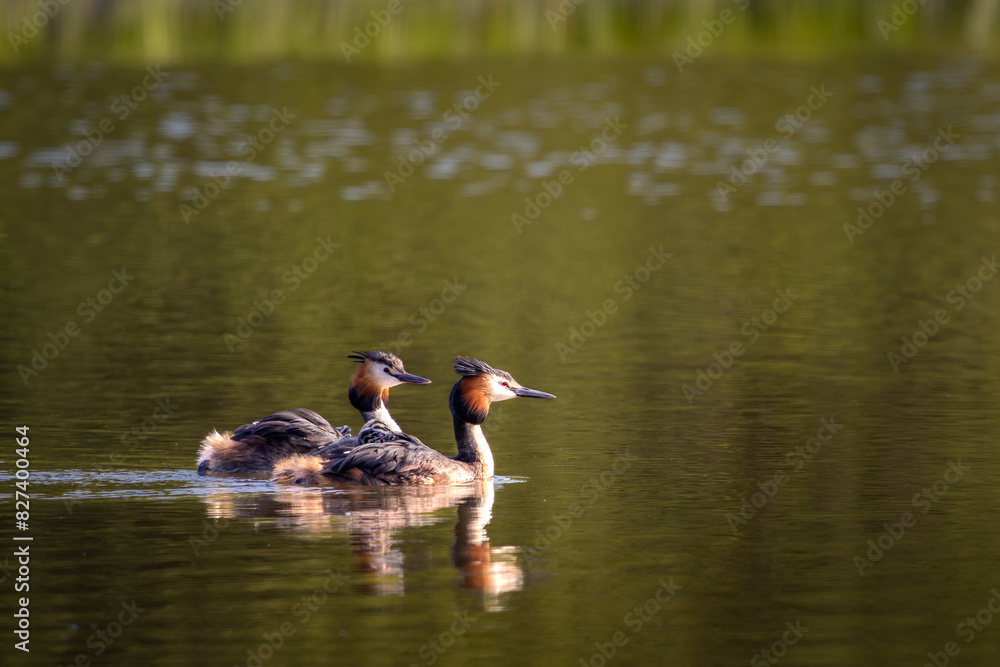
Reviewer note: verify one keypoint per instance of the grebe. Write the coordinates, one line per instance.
(383, 457)
(258, 446)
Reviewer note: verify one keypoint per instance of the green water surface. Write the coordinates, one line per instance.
(763, 291)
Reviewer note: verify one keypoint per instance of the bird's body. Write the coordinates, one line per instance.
(382, 456)
(257, 447)
(254, 448)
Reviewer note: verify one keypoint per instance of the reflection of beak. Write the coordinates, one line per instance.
(531, 393)
(406, 377)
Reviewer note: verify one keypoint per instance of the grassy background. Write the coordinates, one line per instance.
(132, 31)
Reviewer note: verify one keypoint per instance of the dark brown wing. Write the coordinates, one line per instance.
(375, 431)
(385, 455)
(387, 459)
(298, 429)
(337, 448)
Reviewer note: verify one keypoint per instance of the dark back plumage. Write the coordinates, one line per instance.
(387, 457)
(299, 428)
(377, 431)
(256, 447)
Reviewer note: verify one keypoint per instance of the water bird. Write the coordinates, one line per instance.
(383, 457)
(256, 447)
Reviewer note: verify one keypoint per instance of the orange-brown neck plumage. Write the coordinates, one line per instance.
(364, 393)
(470, 405)
(470, 399)
(370, 398)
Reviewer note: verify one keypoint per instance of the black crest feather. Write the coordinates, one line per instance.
(378, 357)
(472, 366)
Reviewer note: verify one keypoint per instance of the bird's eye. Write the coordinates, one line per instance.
(505, 385)
(387, 370)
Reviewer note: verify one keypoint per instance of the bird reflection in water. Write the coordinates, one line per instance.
(372, 515)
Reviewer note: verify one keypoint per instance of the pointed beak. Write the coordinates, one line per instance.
(413, 379)
(524, 392)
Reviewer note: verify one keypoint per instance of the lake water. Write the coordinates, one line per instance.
(763, 291)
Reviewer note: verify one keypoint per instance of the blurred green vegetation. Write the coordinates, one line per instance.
(132, 31)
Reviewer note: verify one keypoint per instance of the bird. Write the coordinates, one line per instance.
(383, 457)
(256, 447)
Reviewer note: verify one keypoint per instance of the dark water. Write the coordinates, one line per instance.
(731, 429)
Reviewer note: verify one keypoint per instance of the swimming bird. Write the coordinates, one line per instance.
(384, 457)
(256, 447)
